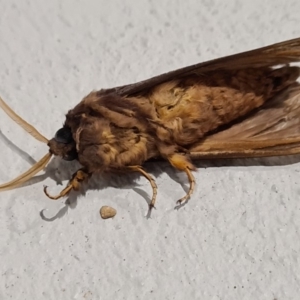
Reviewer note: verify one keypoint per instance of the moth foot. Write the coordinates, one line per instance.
(188, 195)
(74, 184)
(182, 201)
(181, 162)
(63, 193)
(151, 206)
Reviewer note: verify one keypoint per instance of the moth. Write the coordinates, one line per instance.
(243, 105)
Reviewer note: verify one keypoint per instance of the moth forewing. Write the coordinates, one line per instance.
(273, 130)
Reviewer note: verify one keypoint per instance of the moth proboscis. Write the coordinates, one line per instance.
(243, 105)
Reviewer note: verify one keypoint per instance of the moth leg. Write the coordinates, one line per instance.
(74, 184)
(191, 189)
(181, 163)
(152, 182)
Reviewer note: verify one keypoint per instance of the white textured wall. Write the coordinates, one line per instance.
(238, 238)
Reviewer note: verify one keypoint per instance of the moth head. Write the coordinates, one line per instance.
(63, 144)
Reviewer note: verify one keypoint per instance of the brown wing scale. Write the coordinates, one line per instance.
(273, 55)
(274, 130)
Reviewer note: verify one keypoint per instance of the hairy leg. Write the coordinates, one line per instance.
(75, 182)
(182, 163)
(152, 182)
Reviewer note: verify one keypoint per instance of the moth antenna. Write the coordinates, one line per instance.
(27, 175)
(27, 127)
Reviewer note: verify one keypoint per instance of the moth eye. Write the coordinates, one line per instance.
(64, 136)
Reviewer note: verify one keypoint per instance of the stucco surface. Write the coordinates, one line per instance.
(238, 238)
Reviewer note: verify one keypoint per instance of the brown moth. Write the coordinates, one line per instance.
(243, 105)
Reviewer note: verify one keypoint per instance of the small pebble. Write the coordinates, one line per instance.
(107, 212)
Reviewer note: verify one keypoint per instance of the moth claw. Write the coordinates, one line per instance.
(151, 206)
(179, 204)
